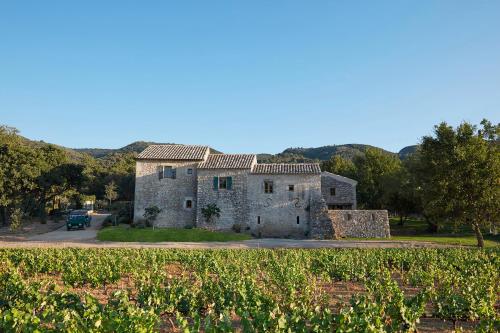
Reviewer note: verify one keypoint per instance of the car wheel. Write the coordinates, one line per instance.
(68, 228)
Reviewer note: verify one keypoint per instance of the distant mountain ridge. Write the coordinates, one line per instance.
(134, 147)
(289, 155)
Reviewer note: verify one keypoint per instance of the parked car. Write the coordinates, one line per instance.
(78, 219)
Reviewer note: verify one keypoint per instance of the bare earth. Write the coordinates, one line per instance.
(87, 239)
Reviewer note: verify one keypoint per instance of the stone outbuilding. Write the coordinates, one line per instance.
(266, 200)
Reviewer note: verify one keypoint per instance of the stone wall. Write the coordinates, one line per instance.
(168, 194)
(345, 190)
(275, 214)
(321, 224)
(232, 203)
(360, 223)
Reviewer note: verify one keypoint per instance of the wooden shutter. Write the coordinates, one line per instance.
(229, 183)
(174, 173)
(216, 183)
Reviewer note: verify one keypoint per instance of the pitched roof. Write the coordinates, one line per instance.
(339, 178)
(174, 152)
(229, 161)
(284, 168)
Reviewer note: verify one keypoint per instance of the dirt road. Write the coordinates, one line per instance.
(61, 234)
(87, 239)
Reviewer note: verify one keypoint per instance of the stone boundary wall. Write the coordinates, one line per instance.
(360, 223)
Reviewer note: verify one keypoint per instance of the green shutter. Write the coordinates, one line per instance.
(229, 183)
(216, 183)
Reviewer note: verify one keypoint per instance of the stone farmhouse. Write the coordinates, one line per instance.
(265, 200)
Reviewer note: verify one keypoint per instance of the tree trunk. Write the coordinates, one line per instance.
(479, 235)
(431, 226)
(3, 215)
(401, 220)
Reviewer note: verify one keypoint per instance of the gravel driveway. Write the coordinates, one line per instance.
(62, 234)
(87, 238)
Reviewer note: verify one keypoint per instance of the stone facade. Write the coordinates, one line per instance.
(233, 202)
(339, 192)
(286, 211)
(170, 195)
(299, 205)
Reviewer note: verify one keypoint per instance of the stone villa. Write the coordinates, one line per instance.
(266, 200)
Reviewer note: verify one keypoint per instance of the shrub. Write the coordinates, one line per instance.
(237, 228)
(210, 211)
(150, 215)
(16, 219)
(108, 221)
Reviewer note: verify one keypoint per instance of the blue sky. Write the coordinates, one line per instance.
(246, 76)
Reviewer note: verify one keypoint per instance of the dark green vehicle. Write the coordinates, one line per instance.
(78, 219)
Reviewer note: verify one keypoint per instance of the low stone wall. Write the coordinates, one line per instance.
(360, 223)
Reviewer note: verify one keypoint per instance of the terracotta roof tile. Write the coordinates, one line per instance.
(229, 161)
(283, 168)
(174, 152)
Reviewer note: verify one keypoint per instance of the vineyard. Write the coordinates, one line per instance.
(151, 290)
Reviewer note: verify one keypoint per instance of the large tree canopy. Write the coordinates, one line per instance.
(459, 175)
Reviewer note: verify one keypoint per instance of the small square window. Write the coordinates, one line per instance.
(189, 204)
(332, 191)
(268, 186)
(189, 171)
(291, 188)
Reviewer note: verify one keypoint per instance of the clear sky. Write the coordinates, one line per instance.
(247, 76)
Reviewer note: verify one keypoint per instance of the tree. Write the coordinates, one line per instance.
(377, 174)
(459, 175)
(151, 214)
(110, 191)
(340, 166)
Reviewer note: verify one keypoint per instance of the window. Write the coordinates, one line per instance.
(223, 183)
(332, 191)
(258, 219)
(268, 186)
(189, 171)
(189, 204)
(373, 217)
(291, 188)
(349, 217)
(298, 219)
(166, 171)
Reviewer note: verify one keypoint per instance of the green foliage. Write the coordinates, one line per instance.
(110, 192)
(458, 173)
(244, 290)
(151, 214)
(340, 166)
(210, 212)
(378, 178)
(16, 219)
(36, 176)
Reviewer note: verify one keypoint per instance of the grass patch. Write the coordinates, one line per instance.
(489, 241)
(417, 230)
(125, 234)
